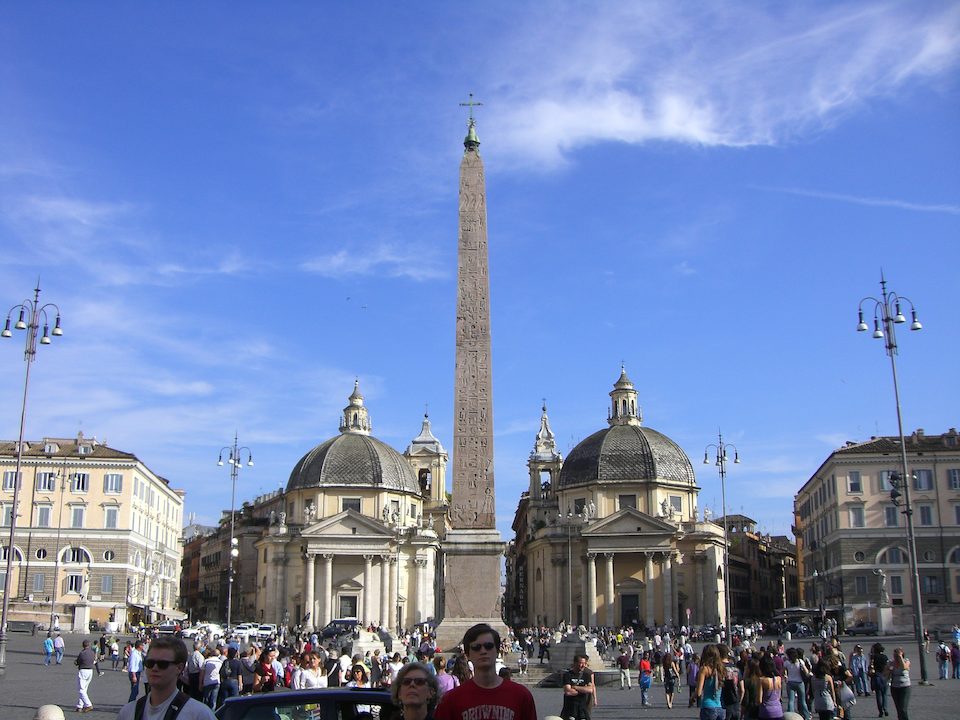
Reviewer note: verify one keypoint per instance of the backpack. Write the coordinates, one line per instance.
(172, 710)
(226, 670)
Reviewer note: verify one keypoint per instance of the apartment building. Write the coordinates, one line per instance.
(97, 534)
(852, 538)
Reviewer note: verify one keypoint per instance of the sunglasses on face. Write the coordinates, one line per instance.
(418, 681)
(477, 647)
(162, 664)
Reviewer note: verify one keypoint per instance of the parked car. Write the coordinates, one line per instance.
(325, 703)
(797, 629)
(168, 627)
(266, 630)
(335, 628)
(245, 631)
(211, 630)
(864, 628)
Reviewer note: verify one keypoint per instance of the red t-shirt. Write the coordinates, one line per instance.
(507, 701)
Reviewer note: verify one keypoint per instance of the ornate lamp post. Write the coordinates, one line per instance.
(234, 454)
(31, 314)
(886, 315)
(721, 462)
(56, 557)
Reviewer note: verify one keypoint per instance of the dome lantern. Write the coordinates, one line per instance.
(624, 409)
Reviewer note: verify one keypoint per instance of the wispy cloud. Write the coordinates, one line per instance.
(871, 201)
(734, 76)
(383, 259)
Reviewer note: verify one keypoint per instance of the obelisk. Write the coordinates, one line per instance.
(472, 548)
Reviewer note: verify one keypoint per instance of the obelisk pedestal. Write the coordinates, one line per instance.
(473, 548)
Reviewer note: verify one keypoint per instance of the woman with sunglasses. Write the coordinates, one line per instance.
(415, 693)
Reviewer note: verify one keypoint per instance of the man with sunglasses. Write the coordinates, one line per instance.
(166, 659)
(486, 694)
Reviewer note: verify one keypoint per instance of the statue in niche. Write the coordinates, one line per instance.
(386, 513)
(273, 517)
(282, 517)
(590, 511)
(308, 513)
(664, 508)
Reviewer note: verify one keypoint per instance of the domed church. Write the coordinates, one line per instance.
(360, 536)
(612, 535)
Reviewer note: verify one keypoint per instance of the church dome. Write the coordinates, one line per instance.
(354, 458)
(625, 451)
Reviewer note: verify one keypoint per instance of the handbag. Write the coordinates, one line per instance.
(645, 681)
(847, 698)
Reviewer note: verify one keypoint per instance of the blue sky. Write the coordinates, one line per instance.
(239, 207)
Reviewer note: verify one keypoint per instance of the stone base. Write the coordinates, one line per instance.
(561, 654)
(885, 624)
(367, 641)
(471, 584)
(81, 617)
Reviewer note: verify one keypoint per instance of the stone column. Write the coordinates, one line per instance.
(648, 578)
(327, 587)
(421, 580)
(584, 590)
(591, 590)
(396, 621)
(609, 590)
(367, 588)
(392, 595)
(667, 575)
(700, 602)
(385, 591)
(675, 595)
(309, 589)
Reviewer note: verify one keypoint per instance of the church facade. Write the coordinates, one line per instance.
(612, 535)
(360, 532)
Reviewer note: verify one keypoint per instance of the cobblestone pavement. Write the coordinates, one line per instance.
(27, 684)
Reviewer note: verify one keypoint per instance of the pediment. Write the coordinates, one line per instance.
(348, 523)
(629, 521)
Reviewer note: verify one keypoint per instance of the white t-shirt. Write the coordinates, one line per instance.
(309, 678)
(210, 672)
(193, 710)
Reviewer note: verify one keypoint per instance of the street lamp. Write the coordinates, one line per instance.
(31, 312)
(234, 454)
(56, 557)
(721, 462)
(886, 314)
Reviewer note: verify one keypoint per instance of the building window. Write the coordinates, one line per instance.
(76, 516)
(676, 502)
(860, 584)
(6, 515)
(9, 477)
(856, 517)
(853, 482)
(74, 583)
(885, 480)
(43, 516)
(51, 449)
(106, 584)
(77, 555)
(859, 556)
(928, 556)
(110, 518)
(926, 514)
(923, 480)
(113, 483)
(41, 553)
(627, 501)
(891, 516)
(84, 449)
(350, 504)
(39, 582)
(46, 482)
(80, 482)
(953, 478)
(896, 585)
(893, 556)
(930, 584)
(578, 506)
(109, 555)
(16, 554)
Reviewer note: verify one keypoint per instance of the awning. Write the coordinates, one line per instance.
(172, 614)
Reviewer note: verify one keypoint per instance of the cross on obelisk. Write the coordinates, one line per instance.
(471, 103)
(472, 547)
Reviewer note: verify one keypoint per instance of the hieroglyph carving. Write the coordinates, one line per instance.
(473, 503)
